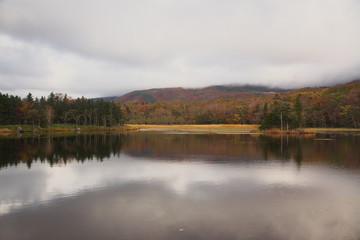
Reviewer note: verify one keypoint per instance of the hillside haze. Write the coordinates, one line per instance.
(195, 95)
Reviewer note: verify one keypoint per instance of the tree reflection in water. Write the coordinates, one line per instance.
(341, 151)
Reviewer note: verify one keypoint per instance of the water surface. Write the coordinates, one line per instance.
(164, 186)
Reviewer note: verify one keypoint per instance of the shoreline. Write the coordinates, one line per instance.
(6, 130)
(236, 129)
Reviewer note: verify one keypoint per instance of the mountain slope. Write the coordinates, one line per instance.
(336, 106)
(195, 95)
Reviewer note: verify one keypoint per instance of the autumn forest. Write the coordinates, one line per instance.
(337, 106)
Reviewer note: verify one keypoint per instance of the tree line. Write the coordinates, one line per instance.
(58, 108)
(337, 106)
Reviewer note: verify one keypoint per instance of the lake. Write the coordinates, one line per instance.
(180, 186)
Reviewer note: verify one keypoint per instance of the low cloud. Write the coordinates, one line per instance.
(97, 48)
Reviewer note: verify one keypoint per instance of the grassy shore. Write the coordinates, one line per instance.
(332, 130)
(233, 129)
(55, 128)
(209, 128)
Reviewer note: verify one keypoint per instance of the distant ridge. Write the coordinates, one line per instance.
(195, 95)
(103, 98)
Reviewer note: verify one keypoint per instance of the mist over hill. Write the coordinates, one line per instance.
(196, 94)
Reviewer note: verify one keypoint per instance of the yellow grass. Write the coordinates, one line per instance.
(209, 128)
(198, 126)
(231, 128)
(5, 130)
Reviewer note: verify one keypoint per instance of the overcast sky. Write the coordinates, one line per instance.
(109, 47)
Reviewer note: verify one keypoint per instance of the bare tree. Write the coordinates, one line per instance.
(74, 115)
(49, 114)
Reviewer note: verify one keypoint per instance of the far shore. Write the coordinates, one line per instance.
(233, 129)
(176, 129)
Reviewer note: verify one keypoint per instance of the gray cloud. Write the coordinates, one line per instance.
(108, 47)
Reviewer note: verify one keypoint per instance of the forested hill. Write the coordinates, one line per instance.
(195, 95)
(337, 106)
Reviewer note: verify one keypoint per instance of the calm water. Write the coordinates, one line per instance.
(152, 186)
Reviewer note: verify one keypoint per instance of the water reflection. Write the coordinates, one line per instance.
(59, 149)
(335, 150)
(181, 187)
